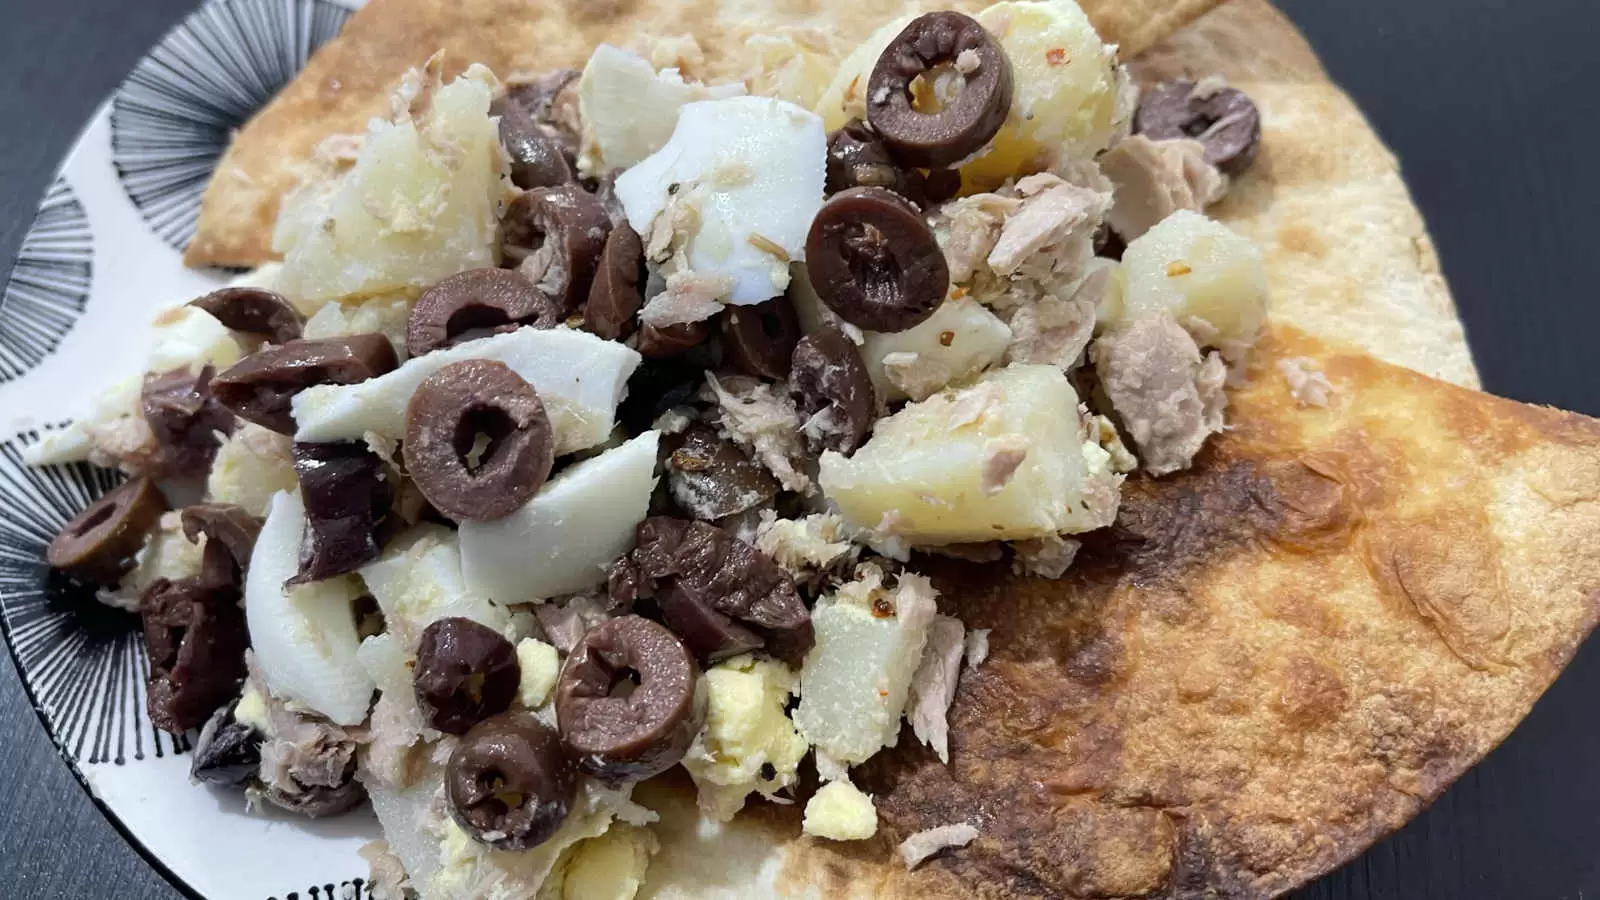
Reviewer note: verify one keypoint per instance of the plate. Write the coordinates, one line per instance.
(101, 256)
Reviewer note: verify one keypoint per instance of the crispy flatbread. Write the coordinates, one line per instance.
(348, 81)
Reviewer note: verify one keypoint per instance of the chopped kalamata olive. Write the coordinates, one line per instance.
(711, 478)
(476, 303)
(510, 782)
(185, 420)
(716, 590)
(538, 159)
(759, 340)
(556, 234)
(99, 544)
(1224, 121)
(940, 185)
(1108, 243)
(657, 386)
(829, 379)
(228, 752)
(230, 537)
(672, 341)
(626, 700)
(857, 157)
(465, 672)
(195, 635)
(253, 311)
(551, 100)
(614, 298)
(259, 387)
(478, 441)
(937, 46)
(874, 261)
(347, 493)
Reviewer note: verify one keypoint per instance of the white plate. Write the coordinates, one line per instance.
(102, 254)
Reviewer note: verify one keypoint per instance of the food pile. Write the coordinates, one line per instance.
(589, 425)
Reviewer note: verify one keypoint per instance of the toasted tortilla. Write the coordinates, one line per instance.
(347, 82)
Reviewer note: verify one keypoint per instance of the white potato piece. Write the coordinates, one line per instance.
(304, 637)
(936, 472)
(252, 465)
(629, 109)
(418, 205)
(580, 378)
(1194, 267)
(845, 98)
(1065, 95)
(960, 339)
(752, 170)
(855, 681)
(418, 580)
(563, 539)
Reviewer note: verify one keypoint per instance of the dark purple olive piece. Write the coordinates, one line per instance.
(550, 99)
(626, 700)
(1224, 121)
(97, 547)
(196, 637)
(857, 157)
(230, 538)
(510, 782)
(473, 304)
(538, 159)
(228, 752)
(874, 261)
(834, 390)
(465, 672)
(347, 493)
(556, 235)
(964, 122)
(259, 387)
(614, 298)
(672, 341)
(716, 591)
(478, 441)
(759, 340)
(253, 311)
(711, 478)
(657, 386)
(320, 801)
(185, 420)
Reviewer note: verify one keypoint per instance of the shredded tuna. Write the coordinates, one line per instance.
(972, 405)
(967, 230)
(1052, 331)
(1055, 215)
(933, 687)
(977, 647)
(1168, 398)
(689, 297)
(807, 547)
(1127, 105)
(762, 419)
(1045, 557)
(1001, 458)
(1155, 179)
(565, 621)
(386, 875)
(1307, 383)
(918, 847)
(915, 375)
(1208, 87)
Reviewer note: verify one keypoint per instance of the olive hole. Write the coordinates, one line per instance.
(936, 88)
(771, 325)
(872, 264)
(99, 517)
(479, 432)
(175, 636)
(473, 318)
(623, 684)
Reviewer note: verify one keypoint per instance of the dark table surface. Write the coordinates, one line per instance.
(1486, 103)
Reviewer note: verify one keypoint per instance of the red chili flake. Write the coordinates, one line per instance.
(946, 338)
(1056, 56)
(882, 608)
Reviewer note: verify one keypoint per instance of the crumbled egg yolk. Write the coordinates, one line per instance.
(839, 811)
(611, 866)
(540, 664)
(749, 743)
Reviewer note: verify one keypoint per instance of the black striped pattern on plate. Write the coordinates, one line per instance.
(49, 282)
(344, 890)
(173, 117)
(82, 662)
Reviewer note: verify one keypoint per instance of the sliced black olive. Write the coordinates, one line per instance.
(510, 782)
(711, 478)
(759, 340)
(98, 545)
(964, 122)
(196, 637)
(464, 673)
(347, 493)
(874, 261)
(473, 304)
(451, 413)
(259, 387)
(228, 752)
(556, 234)
(253, 311)
(671, 341)
(614, 298)
(230, 537)
(835, 392)
(185, 420)
(657, 386)
(1224, 121)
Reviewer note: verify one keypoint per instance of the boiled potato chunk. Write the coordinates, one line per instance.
(960, 339)
(563, 539)
(1191, 266)
(1065, 99)
(845, 98)
(419, 203)
(936, 472)
(854, 682)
